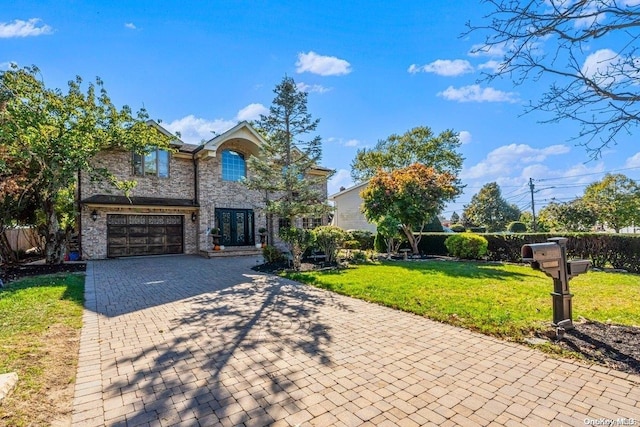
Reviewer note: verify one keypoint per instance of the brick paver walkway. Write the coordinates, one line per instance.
(190, 341)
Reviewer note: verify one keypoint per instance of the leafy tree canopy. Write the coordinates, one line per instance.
(412, 196)
(418, 145)
(596, 88)
(571, 216)
(51, 135)
(488, 209)
(615, 200)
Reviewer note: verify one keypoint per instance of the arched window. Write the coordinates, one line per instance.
(233, 166)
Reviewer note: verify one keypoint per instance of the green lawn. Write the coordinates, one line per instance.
(499, 299)
(40, 320)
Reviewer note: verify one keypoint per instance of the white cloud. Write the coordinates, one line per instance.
(251, 112)
(491, 65)
(194, 130)
(443, 67)
(497, 50)
(599, 62)
(130, 25)
(465, 137)
(19, 28)
(474, 93)
(323, 65)
(7, 65)
(342, 178)
(303, 87)
(352, 143)
(504, 160)
(633, 161)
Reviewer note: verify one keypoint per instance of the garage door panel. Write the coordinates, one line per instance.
(134, 235)
(174, 240)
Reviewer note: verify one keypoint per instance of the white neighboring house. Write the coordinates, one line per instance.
(348, 209)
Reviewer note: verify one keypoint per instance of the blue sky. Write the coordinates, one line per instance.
(371, 69)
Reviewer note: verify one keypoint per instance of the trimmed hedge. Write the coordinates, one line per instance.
(603, 250)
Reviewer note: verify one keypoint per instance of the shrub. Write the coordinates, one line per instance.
(272, 254)
(458, 228)
(517, 227)
(365, 237)
(329, 238)
(359, 257)
(466, 246)
(351, 244)
(298, 240)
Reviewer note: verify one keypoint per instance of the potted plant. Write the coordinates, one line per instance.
(215, 237)
(263, 237)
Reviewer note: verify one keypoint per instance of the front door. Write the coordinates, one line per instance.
(236, 226)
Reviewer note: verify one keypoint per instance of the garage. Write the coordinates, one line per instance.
(135, 235)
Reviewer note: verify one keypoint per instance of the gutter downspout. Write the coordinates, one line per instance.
(79, 197)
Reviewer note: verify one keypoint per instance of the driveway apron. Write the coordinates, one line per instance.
(190, 341)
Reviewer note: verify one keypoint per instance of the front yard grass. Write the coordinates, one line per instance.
(504, 300)
(40, 321)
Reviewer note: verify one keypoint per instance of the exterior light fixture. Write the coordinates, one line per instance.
(94, 215)
(193, 216)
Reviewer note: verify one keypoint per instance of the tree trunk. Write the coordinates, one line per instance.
(412, 239)
(56, 239)
(7, 255)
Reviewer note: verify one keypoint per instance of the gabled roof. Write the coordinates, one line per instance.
(359, 187)
(243, 130)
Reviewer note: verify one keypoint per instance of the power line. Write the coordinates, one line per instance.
(587, 174)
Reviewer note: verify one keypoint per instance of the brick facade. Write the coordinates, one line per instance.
(204, 193)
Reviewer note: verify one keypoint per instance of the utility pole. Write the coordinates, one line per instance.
(533, 207)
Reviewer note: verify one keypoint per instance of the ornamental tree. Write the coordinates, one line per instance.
(283, 170)
(52, 135)
(412, 195)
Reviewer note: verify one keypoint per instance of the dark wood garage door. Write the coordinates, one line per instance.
(133, 235)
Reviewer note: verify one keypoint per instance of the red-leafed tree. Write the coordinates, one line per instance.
(413, 195)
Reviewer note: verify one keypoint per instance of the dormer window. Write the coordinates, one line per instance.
(234, 166)
(154, 163)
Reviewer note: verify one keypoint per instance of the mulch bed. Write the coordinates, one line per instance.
(15, 272)
(614, 346)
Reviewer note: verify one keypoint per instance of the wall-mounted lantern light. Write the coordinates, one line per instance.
(193, 216)
(94, 215)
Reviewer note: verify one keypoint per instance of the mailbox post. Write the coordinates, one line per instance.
(551, 258)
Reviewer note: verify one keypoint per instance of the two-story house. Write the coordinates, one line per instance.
(179, 197)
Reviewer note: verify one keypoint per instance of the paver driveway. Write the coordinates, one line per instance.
(191, 341)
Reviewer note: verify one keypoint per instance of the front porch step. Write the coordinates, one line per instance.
(235, 251)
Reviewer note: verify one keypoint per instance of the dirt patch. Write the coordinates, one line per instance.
(50, 402)
(614, 346)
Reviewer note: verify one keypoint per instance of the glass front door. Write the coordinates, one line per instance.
(236, 226)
